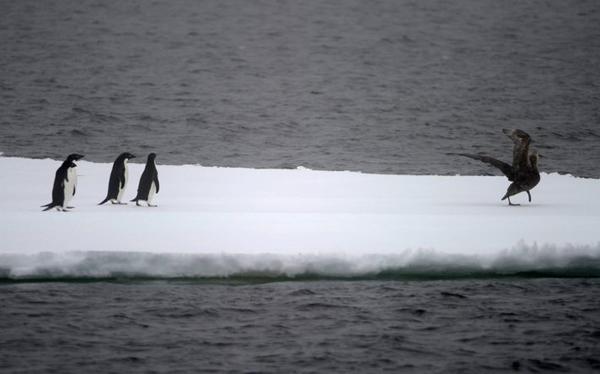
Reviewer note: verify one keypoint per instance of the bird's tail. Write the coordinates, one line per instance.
(134, 199)
(103, 201)
(513, 189)
(44, 206)
(49, 206)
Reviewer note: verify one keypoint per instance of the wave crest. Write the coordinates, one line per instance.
(520, 261)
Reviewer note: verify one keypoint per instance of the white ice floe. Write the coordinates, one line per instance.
(345, 216)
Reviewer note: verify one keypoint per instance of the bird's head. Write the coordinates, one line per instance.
(126, 156)
(74, 157)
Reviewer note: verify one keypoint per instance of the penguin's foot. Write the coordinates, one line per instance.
(120, 203)
(138, 203)
(70, 207)
(152, 206)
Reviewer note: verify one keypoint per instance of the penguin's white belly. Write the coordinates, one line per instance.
(122, 189)
(151, 193)
(69, 186)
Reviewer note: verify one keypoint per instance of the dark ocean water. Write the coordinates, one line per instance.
(474, 326)
(377, 86)
(381, 86)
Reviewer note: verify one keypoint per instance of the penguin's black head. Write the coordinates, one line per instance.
(151, 156)
(126, 156)
(74, 157)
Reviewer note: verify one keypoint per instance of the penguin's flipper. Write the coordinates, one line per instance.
(156, 182)
(74, 188)
(122, 179)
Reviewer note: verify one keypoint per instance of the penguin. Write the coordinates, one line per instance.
(65, 184)
(148, 185)
(118, 179)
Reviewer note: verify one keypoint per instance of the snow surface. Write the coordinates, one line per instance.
(233, 212)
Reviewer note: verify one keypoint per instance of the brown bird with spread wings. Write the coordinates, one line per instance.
(523, 173)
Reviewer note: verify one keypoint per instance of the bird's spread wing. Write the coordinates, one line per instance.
(505, 168)
(521, 142)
